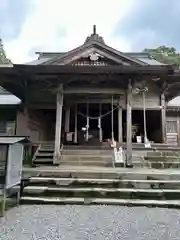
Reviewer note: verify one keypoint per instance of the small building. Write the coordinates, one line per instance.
(94, 88)
(11, 157)
(8, 111)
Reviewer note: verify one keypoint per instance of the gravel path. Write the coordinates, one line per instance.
(90, 222)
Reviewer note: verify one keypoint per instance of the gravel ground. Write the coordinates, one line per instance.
(90, 222)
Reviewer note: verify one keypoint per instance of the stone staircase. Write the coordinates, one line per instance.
(82, 156)
(163, 159)
(103, 156)
(87, 156)
(102, 187)
(44, 154)
(74, 156)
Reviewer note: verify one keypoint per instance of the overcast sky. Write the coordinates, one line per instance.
(56, 25)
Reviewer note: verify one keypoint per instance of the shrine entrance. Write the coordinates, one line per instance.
(96, 122)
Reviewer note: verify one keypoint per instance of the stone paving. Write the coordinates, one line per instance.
(90, 222)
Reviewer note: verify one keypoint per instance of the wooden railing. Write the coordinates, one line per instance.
(48, 145)
(34, 156)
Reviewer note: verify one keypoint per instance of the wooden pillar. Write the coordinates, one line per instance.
(67, 119)
(163, 117)
(129, 124)
(22, 128)
(120, 130)
(59, 105)
(75, 125)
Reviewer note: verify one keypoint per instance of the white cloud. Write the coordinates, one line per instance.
(58, 25)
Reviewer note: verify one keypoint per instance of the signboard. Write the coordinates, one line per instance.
(118, 155)
(14, 165)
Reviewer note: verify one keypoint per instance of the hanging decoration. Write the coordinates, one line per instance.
(100, 115)
(99, 118)
(112, 118)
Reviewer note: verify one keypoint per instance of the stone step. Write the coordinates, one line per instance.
(87, 158)
(46, 150)
(101, 172)
(163, 154)
(41, 189)
(87, 152)
(86, 147)
(162, 165)
(102, 192)
(88, 162)
(162, 159)
(96, 163)
(44, 154)
(115, 183)
(110, 201)
(43, 161)
(63, 181)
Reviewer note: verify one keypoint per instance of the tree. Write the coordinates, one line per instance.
(3, 58)
(164, 54)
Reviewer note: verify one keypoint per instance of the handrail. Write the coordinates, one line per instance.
(37, 150)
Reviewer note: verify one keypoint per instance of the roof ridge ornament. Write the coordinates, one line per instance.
(94, 29)
(94, 37)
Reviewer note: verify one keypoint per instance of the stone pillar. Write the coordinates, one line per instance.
(129, 124)
(163, 117)
(120, 130)
(59, 105)
(67, 119)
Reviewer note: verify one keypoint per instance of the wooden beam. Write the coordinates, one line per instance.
(159, 70)
(94, 100)
(129, 124)
(38, 105)
(92, 90)
(42, 106)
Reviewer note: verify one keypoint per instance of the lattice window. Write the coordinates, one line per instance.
(171, 126)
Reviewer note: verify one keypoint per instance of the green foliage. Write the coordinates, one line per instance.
(164, 54)
(3, 58)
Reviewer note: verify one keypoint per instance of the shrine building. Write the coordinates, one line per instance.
(91, 95)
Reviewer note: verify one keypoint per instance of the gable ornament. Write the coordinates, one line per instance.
(94, 57)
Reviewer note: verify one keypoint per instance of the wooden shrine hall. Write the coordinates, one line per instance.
(91, 95)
